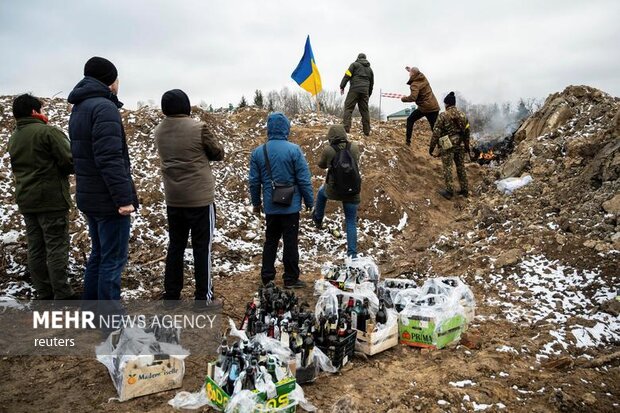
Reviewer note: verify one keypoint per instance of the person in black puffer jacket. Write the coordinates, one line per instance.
(105, 191)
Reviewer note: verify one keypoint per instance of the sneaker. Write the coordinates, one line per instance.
(317, 222)
(464, 193)
(201, 305)
(295, 284)
(446, 194)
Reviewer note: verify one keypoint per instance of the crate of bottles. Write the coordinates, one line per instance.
(422, 330)
(341, 350)
(280, 403)
(371, 343)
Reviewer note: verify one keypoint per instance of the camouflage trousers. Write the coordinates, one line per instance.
(456, 154)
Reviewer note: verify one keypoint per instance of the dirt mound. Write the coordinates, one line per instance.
(571, 147)
(542, 262)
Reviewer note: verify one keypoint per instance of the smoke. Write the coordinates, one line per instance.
(494, 122)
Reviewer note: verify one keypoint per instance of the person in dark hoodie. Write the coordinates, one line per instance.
(41, 163)
(362, 81)
(288, 166)
(423, 96)
(186, 147)
(338, 142)
(105, 191)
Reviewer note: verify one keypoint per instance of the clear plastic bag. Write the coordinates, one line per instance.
(353, 272)
(190, 401)
(133, 345)
(244, 401)
(368, 268)
(404, 297)
(323, 362)
(298, 396)
(328, 302)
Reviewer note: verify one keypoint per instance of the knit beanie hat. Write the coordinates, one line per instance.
(450, 100)
(361, 56)
(175, 102)
(101, 69)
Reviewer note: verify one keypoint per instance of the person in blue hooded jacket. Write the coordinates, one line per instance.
(288, 166)
(105, 191)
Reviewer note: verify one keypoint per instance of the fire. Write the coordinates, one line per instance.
(487, 155)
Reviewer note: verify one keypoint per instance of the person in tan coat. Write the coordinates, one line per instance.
(422, 95)
(186, 147)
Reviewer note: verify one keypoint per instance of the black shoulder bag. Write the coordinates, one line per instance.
(281, 194)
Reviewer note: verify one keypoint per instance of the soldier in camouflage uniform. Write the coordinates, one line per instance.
(362, 81)
(452, 128)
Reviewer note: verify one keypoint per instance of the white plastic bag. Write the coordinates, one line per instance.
(509, 185)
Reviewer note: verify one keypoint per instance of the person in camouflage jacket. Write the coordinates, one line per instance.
(362, 81)
(451, 134)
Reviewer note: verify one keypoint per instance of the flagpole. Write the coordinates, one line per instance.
(316, 96)
(380, 96)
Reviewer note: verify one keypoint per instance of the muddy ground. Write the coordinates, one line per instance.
(538, 287)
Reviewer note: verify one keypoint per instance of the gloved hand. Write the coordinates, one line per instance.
(257, 209)
(342, 91)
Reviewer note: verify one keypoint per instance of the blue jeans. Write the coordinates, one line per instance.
(109, 236)
(350, 218)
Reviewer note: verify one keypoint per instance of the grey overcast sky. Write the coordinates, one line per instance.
(490, 51)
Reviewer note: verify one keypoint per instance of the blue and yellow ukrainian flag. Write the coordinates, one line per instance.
(307, 74)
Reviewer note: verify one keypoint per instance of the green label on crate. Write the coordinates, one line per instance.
(219, 398)
(424, 332)
(215, 394)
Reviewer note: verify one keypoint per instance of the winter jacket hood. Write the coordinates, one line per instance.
(288, 166)
(278, 126)
(89, 87)
(421, 92)
(337, 135)
(363, 62)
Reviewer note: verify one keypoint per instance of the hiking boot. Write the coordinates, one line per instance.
(170, 304)
(464, 193)
(408, 143)
(446, 194)
(318, 223)
(295, 284)
(72, 297)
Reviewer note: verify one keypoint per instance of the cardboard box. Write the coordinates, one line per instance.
(430, 332)
(164, 373)
(281, 403)
(373, 343)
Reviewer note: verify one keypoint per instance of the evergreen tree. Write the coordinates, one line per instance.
(522, 111)
(258, 98)
(243, 102)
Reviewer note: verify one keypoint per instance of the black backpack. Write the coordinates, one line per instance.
(344, 174)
